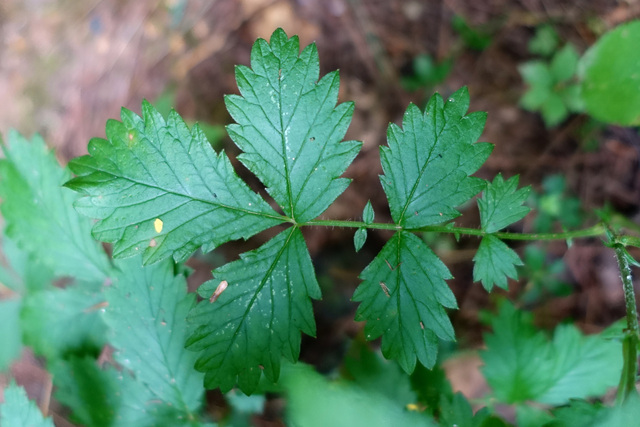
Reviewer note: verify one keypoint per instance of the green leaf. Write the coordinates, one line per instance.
(17, 410)
(253, 312)
(545, 41)
(501, 204)
(428, 162)
(146, 314)
(572, 98)
(39, 213)
(10, 331)
(522, 364)
(377, 375)
(564, 63)
(312, 401)
(473, 38)
(404, 295)
(553, 110)
(610, 78)
(106, 398)
(494, 262)
(60, 321)
(456, 411)
(359, 238)
(626, 414)
(159, 189)
(535, 97)
(537, 74)
(579, 414)
(289, 126)
(367, 214)
(25, 272)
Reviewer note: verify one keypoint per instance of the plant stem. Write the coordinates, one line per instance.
(630, 342)
(592, 231)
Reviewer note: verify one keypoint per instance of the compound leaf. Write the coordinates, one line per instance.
(494, 262)
(501, 204)
(428, 161)
(39, 212)
(146, 313)
(253, 312)
(160, 189)
(289, 126)
(404, 295)
(18, 410)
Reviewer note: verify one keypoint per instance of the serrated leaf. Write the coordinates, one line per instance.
(39, 212)
(501, 204)
(18, 410)
(522, 364)
(10, 331)
(289, 126)
(253, 312)
(403, 298)
(146, 314)
(494, 262)
(428, 162)
(59, 321)
(149, 169)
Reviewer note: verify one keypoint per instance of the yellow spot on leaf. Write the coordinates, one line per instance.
(157, 224)
(413, 407)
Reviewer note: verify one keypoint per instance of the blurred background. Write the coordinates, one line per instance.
(68, 66)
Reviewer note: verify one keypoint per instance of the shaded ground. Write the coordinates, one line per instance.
(67, 66)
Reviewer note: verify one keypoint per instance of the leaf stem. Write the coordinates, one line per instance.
(595, 230)
(630, 341)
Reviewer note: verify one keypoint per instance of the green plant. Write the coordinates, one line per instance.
(426, 72)
(160, 191)
(603, 82)
(553, 89)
